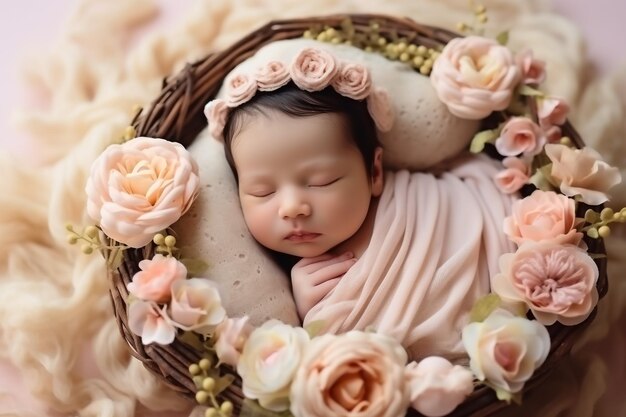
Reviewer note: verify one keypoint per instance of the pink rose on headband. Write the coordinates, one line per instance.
(379, 107)
(216, 112)
(154, 281)
(520, 135)
(516, 174)
(232, 335)
(272, 76)
(533, 70)
(145, 319)
(474, 76)
(240, 88)
(141, 187)
(353, 81)
(552, 111)
(313, 69)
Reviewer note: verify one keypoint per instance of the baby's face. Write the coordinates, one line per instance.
(303, 185)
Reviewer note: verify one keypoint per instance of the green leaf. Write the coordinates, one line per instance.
(542, 178)
(314, 328)
(593, 233)
(503, 38)
(115, 258)
(484, 307)
(592, 216)
(195, 267)
(223, 382)
(251, 408)
(525, 90)
(481, 138)
(503, 395)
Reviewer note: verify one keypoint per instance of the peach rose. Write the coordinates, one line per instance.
(552, 111)
(582, 172)
(313, 69)
(353, 81)
(438, 387)
(269, 361)
(141, 187)
(355, 373)
(381, 110)
(505, 350)
(154, 281)
(516, 174)
(474, 76)
(520, 135)
(533, 70)
(196, 305)
(216, 112)
(231, 336)
(272, 76)
(240, 88)
(543, 215)
(145, 319)
(557, 282)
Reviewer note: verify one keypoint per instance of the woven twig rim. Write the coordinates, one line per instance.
(177, 115)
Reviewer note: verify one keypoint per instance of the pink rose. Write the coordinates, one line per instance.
(533, 70)
(520, 135)
(474, 76)
(516, 174)
(231, 336)
(582, 172)
(154, 281)
(552, 111)
(313, 69)
(153, 325)
(141, 187)
(272, 76)
(216, 112)
(552, 134)
(381, 110)
(438, 387)
(557, 282)
(240, 88)
(355, 373)
(196, 305)
(353, 81)
(543, 215)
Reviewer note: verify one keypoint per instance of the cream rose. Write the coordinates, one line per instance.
(240, 88)
(272, 76)
(216, 112)
(196, 305)
(269, 361)
(516, 174)
(438, 387)
(582, 172)
(353, 81)
(145, 319)
(141, 187)
(381, 110)
(505, 350)
(474, 76)
(557, 282)
(313, 69)
(520, 135)
(154, 280)
(543, 215)
(359, 374)
(232, 335)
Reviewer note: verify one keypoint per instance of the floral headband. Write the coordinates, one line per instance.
(311, 70)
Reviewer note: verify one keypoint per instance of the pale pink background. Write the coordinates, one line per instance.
(28, 26)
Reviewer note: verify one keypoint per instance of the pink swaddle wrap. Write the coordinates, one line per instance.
(435, 244)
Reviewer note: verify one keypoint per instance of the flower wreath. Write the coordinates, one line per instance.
(139, 188)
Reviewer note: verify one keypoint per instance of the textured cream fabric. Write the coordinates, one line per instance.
(56, 324)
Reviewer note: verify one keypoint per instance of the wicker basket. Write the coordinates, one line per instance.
(177, 115)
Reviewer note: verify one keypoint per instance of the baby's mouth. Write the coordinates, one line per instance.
(302, 236)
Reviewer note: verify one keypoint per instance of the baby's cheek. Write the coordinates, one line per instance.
(259, 221)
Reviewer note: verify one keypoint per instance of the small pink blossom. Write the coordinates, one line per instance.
(516, 174)
(272, 76)
(552, 111)
(381, 110)
(533, 70)
(313, 69)
(231, 337)
(216, 112)
(582, 172)
(154, 281)
(437, 387)
(240, 88)
(552, 134)
(196, 305)
(145, 319)
(520, 135)
(353, 81)
(557, 282)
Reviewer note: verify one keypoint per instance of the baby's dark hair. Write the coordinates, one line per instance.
(295, 102)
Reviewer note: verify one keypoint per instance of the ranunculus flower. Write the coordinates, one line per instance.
(145, 319)
(543, 215)
(474, 76)
(313, 69)
(141, 187)
(505, 350)
(357, 373)
(516, 174)
(582, 172)
(154, 281)
(272, 76)
(216, 112)
(353, 81)
(269, 361)
(438, 387)
(381, 110)
(552, 111)
(533, 70)
(240, 88)
(520, 135)
(231, 336)
(196, 305)
(557, 282)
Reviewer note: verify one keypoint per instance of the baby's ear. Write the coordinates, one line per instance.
(377, 173)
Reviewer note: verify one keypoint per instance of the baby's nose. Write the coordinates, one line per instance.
(293, 205)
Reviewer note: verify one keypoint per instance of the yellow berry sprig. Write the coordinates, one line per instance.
(206, 384)
(166, 244)
(480, 19)
(599, 222)
(90, 235)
